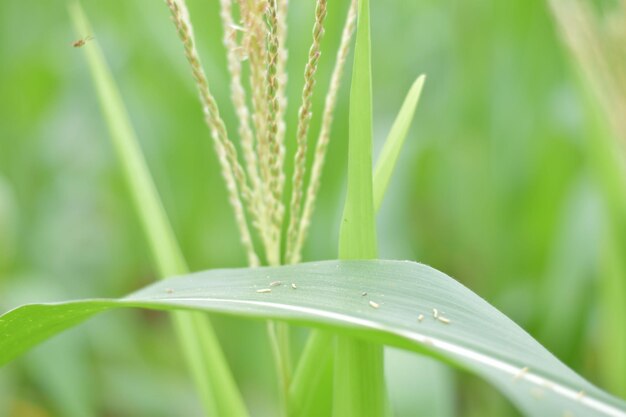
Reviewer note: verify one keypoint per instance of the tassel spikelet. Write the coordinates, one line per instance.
(256, 44)
(304, 121)
(324, 135)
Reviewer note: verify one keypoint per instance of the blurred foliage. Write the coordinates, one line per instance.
(595, 37)
(496, 187)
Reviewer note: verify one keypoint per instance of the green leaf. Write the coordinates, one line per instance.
(202, 352)
(478, 338)
(357, 236)
(156, 226)
(312, 384)
(393, 144)
(359, 382)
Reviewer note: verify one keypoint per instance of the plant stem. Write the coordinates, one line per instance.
(279, 343)
(359, 379)
(203, 354)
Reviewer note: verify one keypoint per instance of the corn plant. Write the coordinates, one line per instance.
(354, 305)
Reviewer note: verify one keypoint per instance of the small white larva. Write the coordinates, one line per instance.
(443, 319)
(521, 373)
(293, 286)
(420, 317)
(580, 395)
(374, 305)
(435, 313)
(264, 290)
(275, 283)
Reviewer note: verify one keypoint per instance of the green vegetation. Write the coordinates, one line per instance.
(499, 196)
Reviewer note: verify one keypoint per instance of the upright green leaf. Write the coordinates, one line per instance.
(357, 238)
(203, 354)
(312, 382)
(394, 142)
(160, 236)
(309, 369)
(359, 383)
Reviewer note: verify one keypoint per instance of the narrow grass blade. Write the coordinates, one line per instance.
(359, 382)
(307, 387)
(203, 354)
(394, 142)
(478, 338)
(357, 238)
(142, 189)
(382, 174)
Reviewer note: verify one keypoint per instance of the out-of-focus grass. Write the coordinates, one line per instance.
(595, 37)
(495, 180)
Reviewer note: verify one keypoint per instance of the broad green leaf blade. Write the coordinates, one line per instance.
(478, 338)
(394, 142)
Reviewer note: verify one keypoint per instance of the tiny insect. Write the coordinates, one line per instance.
(275, 283)
(264, 290)
(374, 305)
(521, 373)
(580, 395)
(169, 290)
(443, 320)
(293, 286)
(81, 42)
(363, 294)
(420, 317)
(435, 313)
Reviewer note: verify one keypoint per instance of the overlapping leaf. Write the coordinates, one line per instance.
(329, 295)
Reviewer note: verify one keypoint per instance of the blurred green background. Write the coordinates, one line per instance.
(497, 187)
